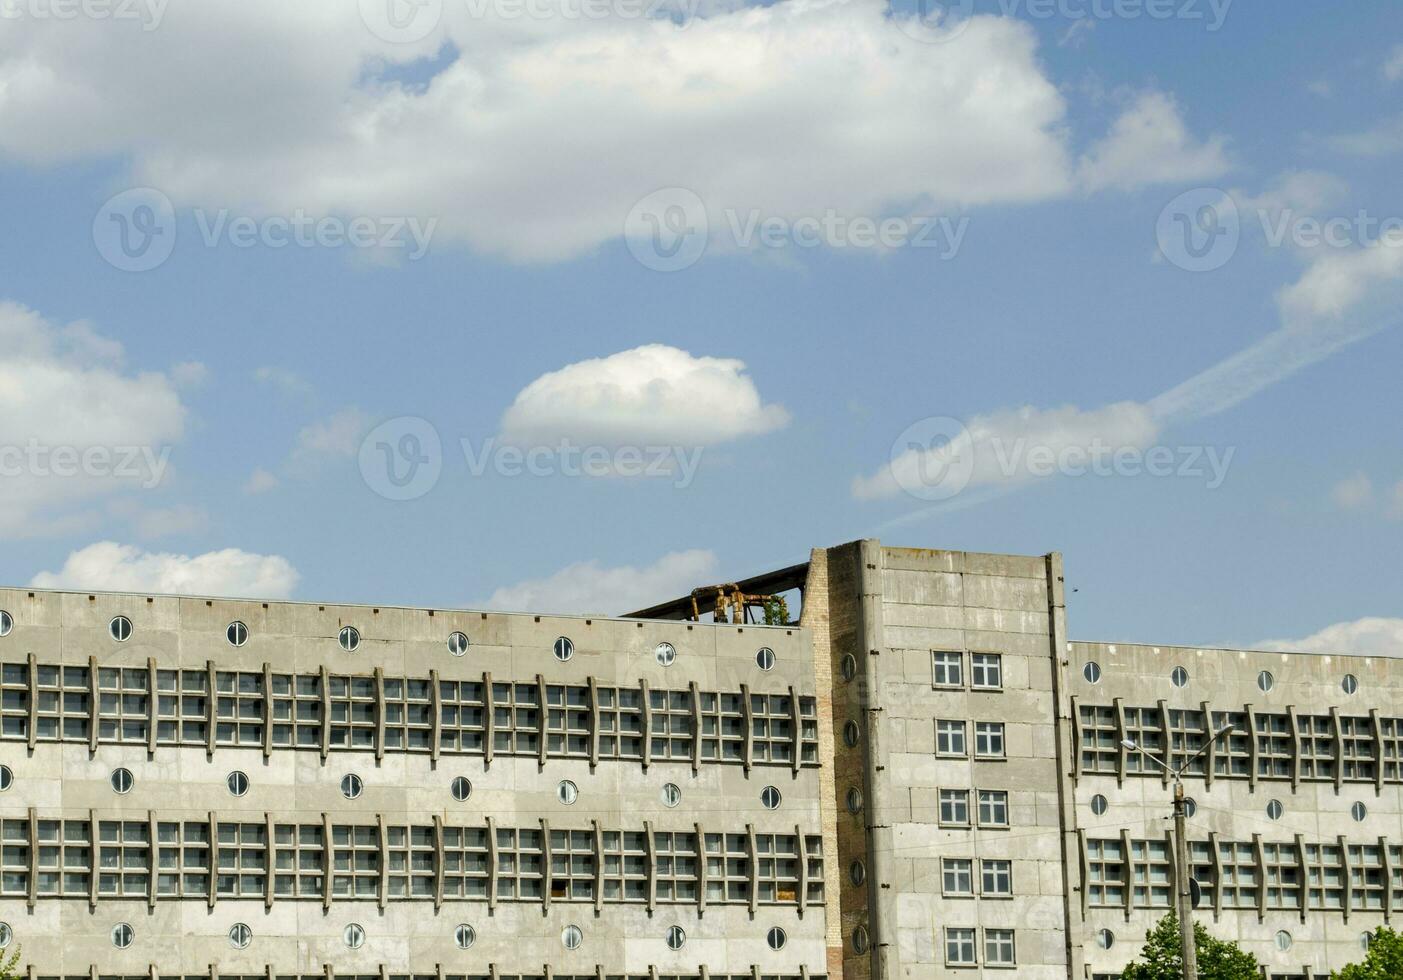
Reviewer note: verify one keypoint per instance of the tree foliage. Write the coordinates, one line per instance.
(1218, 959)
(9, 968)
(1384, 961)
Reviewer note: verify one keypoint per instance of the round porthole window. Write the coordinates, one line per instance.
(236, 634)
(349, 638)
(461, 788)
(1359, 811)
(854, 800)
(1265, 681)
(1180, 677)
(1098, 804)
(1350, 684)
(457, 644)
(121, 780)
(351, 786)
(857, 872)
(465, 935)
(851, 735)
(7, 935)
(859, 940)
(7, 623)
(1105, 938)
(1283, 940)
(676, 937)
(121, 629)
(765, 658)
(776, 937)
(571, 937)
(849, 666)
(671, 795)
(7, 778)
(1190, 807)
(240, 936)
(771, 798)
(122, 935)
(564, 648)
(237, 783)
(353, 936)
(1275, 810)
(1092, 672)
(664, 654)
(567, 792)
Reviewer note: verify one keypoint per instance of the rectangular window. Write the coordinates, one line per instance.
(996, 878)
(572, 864)
(771, 727)
(242, 867)
(465, 862)
(300, 855)
(950, 738)
(957, 876)
(993, 808)
(1149, 869)
(124, 858)
(1105, 874)
(998, 947)
(986, 671)
(183, 859)
(356, 856)
(409, 715)
(1281, 872)
(989, 739)
(626, 866)
(954, 807)
(410, 851)
(949, 668)
(1100, 748)
(567, 722)
(959, 947)
(463, 715)
(675, 856)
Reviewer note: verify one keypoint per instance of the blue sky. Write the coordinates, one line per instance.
(529, 144)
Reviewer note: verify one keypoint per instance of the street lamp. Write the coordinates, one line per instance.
(1188, 949)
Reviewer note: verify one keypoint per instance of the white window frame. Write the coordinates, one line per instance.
(965, 936)
(956, 799)
(986, 663)
(952, 871)
(996, 797)
(943, 662)
(986, 735)
(947, 733)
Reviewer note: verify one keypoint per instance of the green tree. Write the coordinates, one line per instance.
(9, 968)
(1384, 960)
(1218, 959)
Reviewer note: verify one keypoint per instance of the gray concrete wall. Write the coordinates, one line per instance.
(66, 780)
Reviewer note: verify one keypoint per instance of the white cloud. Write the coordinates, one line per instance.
(337, 436)
(260, 481)
(1151, 144)
(586, 587)
(734, 107)
(113, 567)
(65, 390)
(1354, 492)
(1340, 282)
(1384, 139)
(1393, 67)
(649, 396)
(1009, 447)
(189, 374)
(285, 380)
(1373, 636)
(1301, 192)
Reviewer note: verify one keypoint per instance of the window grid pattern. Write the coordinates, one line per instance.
(293, 707)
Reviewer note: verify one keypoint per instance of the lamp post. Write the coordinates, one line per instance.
(1184, 904)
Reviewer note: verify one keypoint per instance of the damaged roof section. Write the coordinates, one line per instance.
(757, 599)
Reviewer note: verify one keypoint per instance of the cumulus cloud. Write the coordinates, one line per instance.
(75, 423)
(587, 587)
(1011, 447)
(1354, 492)
(494, 124)
(1339, 282)
(649, 396)
(1299, 192)
(1393, 67)
(337, 436)
(112, 567)
(1373, 636)
(1384, 139)
(1151, 144)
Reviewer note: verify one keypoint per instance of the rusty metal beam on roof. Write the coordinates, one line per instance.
(767, 583)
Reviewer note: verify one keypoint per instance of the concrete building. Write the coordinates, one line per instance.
(919, 777)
